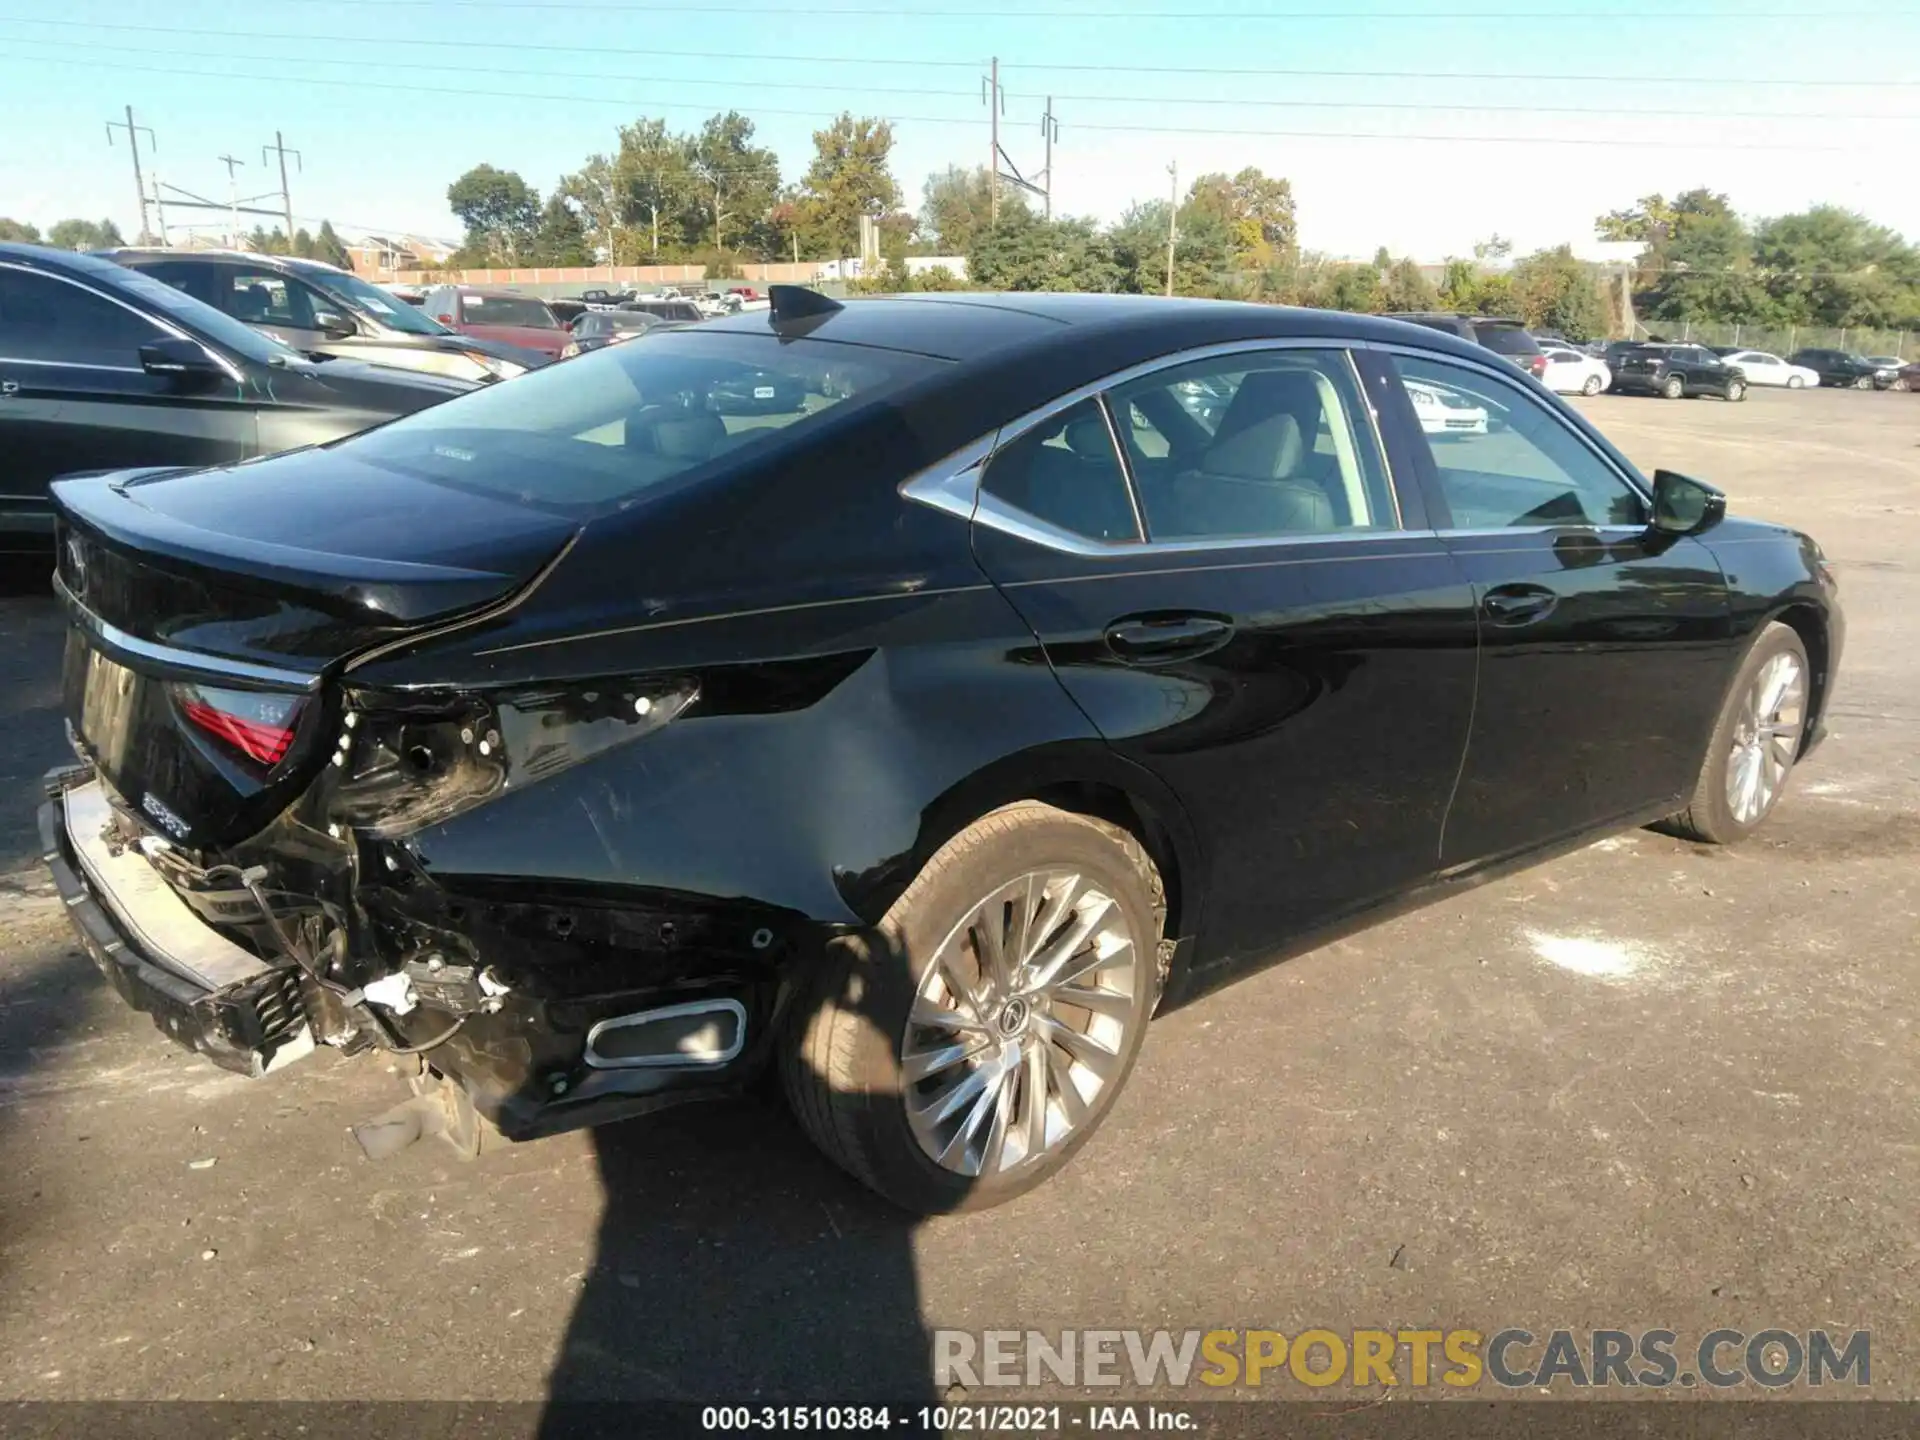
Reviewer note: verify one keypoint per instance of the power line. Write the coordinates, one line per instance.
(1398, 136)
(1586, 16)
(1553, 77)
(1133, 100)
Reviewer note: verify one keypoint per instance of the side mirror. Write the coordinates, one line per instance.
(1685, 506)
(334, 326)
(182, 360)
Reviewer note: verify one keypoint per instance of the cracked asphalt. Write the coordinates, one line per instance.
(1648, 1085)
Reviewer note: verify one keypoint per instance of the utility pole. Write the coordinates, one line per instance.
(279, 147)
(1173, 216)
(1050, 128)
(133, 144)
(993, 143)
(233, 196)
(159, 208)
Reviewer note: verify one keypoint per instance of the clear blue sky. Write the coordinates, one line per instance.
(361, 89)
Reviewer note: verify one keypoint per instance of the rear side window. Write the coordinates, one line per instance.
(599, 432)
(50, 320)
(264, 298)
(1066, 472)
(1506, 339)
(521, 310)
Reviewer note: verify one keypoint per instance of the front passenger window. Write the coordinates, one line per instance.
(54, 322)
(1504, 459)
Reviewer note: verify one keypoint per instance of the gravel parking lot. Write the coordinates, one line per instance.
(1652, 1084)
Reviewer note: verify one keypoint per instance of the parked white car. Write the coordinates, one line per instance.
(1571, 373)
(1442, 412)
(1763, 368)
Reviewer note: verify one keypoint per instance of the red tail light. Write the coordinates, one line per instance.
(256, 723)
(1538, 365)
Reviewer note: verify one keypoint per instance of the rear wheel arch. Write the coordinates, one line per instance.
(1085, 780)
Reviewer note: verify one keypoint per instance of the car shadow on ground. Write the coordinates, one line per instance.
(735, 1266)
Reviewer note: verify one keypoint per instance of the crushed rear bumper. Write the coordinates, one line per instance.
(241, 1013)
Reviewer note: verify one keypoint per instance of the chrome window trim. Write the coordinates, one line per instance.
(113, 638)
(158, 323)
(1493, 372)
(73, 365)
(952, 484)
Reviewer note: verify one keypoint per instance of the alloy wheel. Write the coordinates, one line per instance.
(1592, 386)
(1019, 1023)
(1766, 737)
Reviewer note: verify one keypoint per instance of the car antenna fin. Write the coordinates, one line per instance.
(797, 302)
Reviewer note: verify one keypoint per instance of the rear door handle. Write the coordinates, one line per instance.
(1163, 639)
(1518, 604)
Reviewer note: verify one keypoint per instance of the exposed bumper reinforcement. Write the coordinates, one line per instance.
(203, 992)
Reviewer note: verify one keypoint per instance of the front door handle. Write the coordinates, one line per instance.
(1518, 604)
(9, 389)
(1163, 639)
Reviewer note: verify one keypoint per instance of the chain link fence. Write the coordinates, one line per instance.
(1784, 339)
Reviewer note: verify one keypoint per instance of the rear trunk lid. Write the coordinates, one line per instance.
(526, 337)
(210, 609)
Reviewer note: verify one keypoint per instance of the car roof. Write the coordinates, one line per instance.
(965, 326)
(498, 292)
(126, 254)
(46, 257)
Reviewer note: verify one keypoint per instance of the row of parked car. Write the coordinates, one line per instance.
(166, 357)
(1670, 369)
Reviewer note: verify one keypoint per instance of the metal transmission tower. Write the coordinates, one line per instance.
(279, 147)
(133, 144)
(1000, 165)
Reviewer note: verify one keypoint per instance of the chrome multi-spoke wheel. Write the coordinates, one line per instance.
(1019, 1023)
(1756, 742)
(1766, 737)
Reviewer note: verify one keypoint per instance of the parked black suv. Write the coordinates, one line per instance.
(1837, 367)
(1502, 336)
(1678, 370)
(323, 310)
(104, 368)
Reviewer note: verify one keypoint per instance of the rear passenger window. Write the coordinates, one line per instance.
(1268, 443)
(1066, 472)
(51, 321)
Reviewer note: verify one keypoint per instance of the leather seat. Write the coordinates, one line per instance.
(1243, 487)
(1080, 487)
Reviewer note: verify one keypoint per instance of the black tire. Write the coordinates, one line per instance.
(1708, 818)
(1591, 386)
(840, 1060)
(1794, 382)
(1736, 391)
(1863, 382)
(1673, 387)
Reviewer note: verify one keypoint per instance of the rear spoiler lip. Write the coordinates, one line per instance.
(409, 592)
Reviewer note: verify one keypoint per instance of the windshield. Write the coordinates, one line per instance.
(522, 310)
(212, 324)
(599, 432)
(386, 309)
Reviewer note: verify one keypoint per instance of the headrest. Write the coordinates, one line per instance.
(689, 437)
(1268, 449)
(1088, 439)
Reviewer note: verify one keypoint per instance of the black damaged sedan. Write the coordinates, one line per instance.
(604, 741)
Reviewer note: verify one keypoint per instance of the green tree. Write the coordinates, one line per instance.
(1554, 291)
(1032, 254)
(85, 235)
(738, 180)
(1405, 288)
(1352, 287)
(1250, 213)
(595, 189)
(263, 241)
(659, 195)
(330, 247)
(19, 231)
(848, 179)
(562, 237)
(303, 243)
(1831, 266)
(500, 210)
(956, 209)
